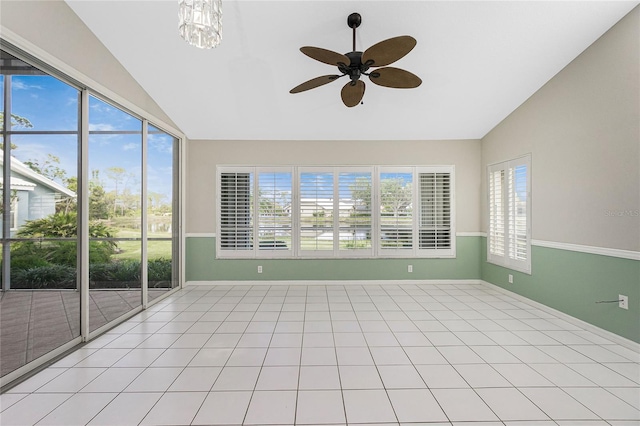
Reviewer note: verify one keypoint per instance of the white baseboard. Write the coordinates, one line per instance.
(330, 282)
(573, 320)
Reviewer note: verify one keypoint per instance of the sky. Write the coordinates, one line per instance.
(51, 105)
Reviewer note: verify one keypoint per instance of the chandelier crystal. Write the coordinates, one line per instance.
(200, 22)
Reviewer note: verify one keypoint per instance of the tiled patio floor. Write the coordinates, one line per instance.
(35, 322)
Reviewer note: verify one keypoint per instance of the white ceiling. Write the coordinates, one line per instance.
(478, 61)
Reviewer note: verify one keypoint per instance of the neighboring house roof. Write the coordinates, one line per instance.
(20, 184)
(20, 168)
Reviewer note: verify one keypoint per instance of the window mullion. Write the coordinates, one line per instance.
(295, 208)
(375, 211)
(415, 211)
(336, 209)
(255, 212)
(505, 213)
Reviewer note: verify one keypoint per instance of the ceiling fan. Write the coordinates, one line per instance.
(356, 64)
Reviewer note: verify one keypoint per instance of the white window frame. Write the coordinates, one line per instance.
(376, 251)
(254, 251)
(337, 252)
(415, 250)
(501, 233)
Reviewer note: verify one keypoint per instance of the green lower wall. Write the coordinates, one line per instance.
(202, 265)
(572, 282)
(568, 281)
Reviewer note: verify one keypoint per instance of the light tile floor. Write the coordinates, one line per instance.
(352, 354)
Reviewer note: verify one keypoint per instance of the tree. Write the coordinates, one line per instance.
(361, 192)
(155, 200)
(119, 176)
(395, 196)
(98, 207)
(51, 169)
(16, 121)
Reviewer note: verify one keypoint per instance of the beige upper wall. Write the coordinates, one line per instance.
(203, 156)
(582, 130)
(54, 28)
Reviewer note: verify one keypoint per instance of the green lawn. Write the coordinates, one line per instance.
(133, 249)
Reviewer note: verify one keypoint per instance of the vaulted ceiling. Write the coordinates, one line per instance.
(479, 60)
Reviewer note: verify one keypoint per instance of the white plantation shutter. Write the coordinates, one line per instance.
(509, 236)
(354, 207)
(435, 210)
(339, 212)
(496, 213)
(316, 211)
(274, 212)
(396, 211)
(416, 211)
(236, 212)
(518, 249)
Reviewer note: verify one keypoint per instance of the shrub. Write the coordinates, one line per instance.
(27, 261)
(44, 277)
(159, 270)
(61, 225)
(120, 271)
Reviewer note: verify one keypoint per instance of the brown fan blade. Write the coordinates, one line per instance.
(352, 93)
(394, 77)
(388, 51)
(314, 82)
(324, 55)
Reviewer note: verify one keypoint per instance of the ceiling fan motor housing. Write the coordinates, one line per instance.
(355, 68)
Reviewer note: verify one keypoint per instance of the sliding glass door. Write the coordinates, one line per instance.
(121, 168)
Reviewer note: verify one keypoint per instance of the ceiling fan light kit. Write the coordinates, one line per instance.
(355, 64)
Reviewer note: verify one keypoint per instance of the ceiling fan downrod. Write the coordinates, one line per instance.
(354, 20)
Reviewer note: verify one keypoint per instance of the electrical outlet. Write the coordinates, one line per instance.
(510, 279)
(260, 269)
(410, 268)
(623, 301)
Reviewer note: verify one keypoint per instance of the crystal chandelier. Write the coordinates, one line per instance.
(200, 22)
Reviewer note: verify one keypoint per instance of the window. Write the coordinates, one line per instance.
(274, 212)
(245, 218)
(338, 212)
(435, 210)
(509, 236)
(335, 212)
(396, 210)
